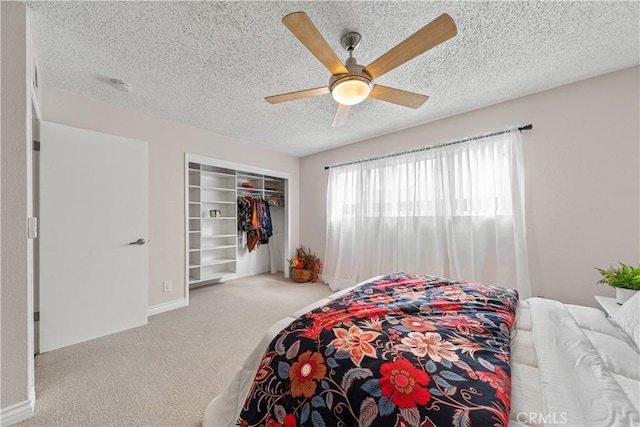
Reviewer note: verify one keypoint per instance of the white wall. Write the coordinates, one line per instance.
(168, 141)
(581, 170)
(14, 207)
(17, 57)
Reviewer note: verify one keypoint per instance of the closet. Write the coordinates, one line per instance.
(215, 248)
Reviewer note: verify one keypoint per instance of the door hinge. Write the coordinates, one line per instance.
(36, 316)
(36, 145)
(32, 227)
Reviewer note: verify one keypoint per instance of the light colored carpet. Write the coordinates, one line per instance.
(165, 373)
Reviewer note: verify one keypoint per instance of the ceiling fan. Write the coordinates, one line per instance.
(351, 83)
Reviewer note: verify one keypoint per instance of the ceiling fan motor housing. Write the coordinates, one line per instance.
(356, 72)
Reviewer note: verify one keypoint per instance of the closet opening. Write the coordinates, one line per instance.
(237, 221)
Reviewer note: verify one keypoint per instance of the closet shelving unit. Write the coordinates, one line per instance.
(212, 239)
(212, 223)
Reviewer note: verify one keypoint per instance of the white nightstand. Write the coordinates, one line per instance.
(609, 304)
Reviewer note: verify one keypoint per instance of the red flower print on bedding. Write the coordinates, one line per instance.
(444, 305)
(404, 384)
(501, 382)
(289, 421)
(403, 350)
(418, 324)
(464, 325)
(369, 311)
(330, 317)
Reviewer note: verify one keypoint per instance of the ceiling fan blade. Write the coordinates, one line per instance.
(284, 97)
(302, 27)
(342, 113)
(398, 96)
(435, 32)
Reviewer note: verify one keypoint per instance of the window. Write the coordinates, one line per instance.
(455, 210)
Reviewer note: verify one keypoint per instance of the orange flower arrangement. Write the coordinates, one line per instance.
(305, 260)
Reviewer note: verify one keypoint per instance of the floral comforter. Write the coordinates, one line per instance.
(403, 350)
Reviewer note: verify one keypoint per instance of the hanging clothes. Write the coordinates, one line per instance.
(254, 222)
(253, 236)
(269, 224)
(244, 214)
(253, 240)
(266, 229)
(255, 217)
(244, 220)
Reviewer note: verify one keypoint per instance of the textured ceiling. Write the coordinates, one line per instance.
(210, 64)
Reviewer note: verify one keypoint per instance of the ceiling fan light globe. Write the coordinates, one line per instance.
(351, 91)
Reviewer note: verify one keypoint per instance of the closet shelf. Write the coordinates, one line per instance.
(217, 188)
(249, 175)
(213, 276)
(220, 217)
(217, 261)
(213, 248)
(213, 262)
(211, 202)
(223, 174)
(218, 236)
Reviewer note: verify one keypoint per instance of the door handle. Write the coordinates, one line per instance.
(138, 242)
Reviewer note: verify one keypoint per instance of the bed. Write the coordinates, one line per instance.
(408, 349)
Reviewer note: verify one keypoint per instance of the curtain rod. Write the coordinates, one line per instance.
(415, 150)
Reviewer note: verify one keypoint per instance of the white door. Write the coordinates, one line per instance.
(93, 206)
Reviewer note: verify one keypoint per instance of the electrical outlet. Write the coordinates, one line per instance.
(167, 286)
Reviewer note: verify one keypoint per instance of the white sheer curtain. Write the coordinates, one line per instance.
(455, 211)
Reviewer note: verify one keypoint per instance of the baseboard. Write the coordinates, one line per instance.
(16, 413)
(166, 306)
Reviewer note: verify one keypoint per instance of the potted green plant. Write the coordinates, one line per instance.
(625, 278)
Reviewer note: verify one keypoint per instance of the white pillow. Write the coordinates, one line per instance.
(628, 318)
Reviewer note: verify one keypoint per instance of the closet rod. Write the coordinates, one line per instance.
(415, 150)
